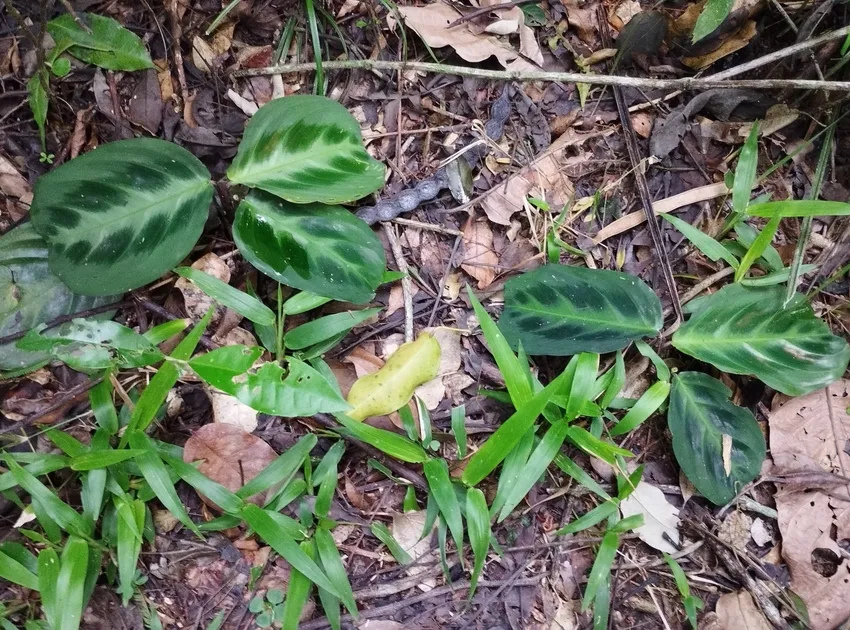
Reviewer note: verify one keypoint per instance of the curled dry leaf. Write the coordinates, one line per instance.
(431, 24)
(229, 455)
(392, 386)
(479, 259)
(660, 517)
(735, 530)
(209, 55)
(809, 434)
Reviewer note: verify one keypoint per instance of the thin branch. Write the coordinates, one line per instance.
(719, 80)
(488, 9)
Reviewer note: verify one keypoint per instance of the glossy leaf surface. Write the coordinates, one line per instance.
(31, 294)
(746, 330)
(700, 415)
(559, 310)
(317, 248)
(121, 215)
(305, 149)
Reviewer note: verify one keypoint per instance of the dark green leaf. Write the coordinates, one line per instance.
(383, 534)
(746, 330)
(48, 579)
(700, 416)
(130, 517)
(249, 307)
(559, 310)
(443, 491)
(214, 491)
(38, 101)
(322, 249)
(303, 392)
(323, 328)
(748, 161)
(306, 149)
(71, 583)
(582, 386)
(122, 215)
(219, 367)
(595, 516)
(101, 459)
(592, 445)
(747, 235)
(759, 246)
(702, 241)
(45, 464)
(297, 592)
(30, 294)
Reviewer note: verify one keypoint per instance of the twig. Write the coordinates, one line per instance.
(70, 9)
(640, 182)
(488, 9)
(397, 467)
(67, 398)
(718, 80)
(701, 286)
(442, 285)
(176, 33)
(406, 286)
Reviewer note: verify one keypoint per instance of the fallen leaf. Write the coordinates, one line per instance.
(809, 434)
(197, 302)
(364, 362)
(381, 624)
(479, 259)
(163, 75)
(145, 107)
(12, 183)
(730, 45)
(431, 24)
(642, 122)
(760, 534)
(408, 529)
(209, 55)
(736, 611)
(392, 386)
(778, 117)
(229, 455)
(687, 488)
(228, 409)
(660, 516)
(735, 530)
(623, 12)
(396, 299)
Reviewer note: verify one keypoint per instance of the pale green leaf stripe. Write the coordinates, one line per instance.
(247, 306)
(305, 149)
(122, 215)
(808, 208)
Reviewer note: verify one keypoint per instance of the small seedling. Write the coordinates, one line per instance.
(268, 609)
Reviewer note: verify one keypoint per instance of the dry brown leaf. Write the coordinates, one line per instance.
(479, 259)
(163, 75)
(687, 488)
(737, 611)
(623, 12)
(431, 24)
(582, 19)
(735, 530)
(228, 409)
(407, 530)
(12, 183)
(810, 433)
(777, 117)
(364, 362)
(396, 299)
(209, 55)
(732, 44)
(642, 122)
(229, 455)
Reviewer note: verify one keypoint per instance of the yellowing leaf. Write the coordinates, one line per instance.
(391, 387)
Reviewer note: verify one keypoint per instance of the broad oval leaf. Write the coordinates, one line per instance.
(322, 249)
(122, 215)
(305, 149)
(107, 44)
(701, 418)
(303, 391)
(559, 310)
(746, 330)
(30, 294)
(391, 387)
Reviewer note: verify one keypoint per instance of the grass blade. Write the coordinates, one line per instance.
(745, 175)
(318, 330)
(713, 249)
(796, 208)
(616, 383)
(13, 571)
(512, 469)
(71, 584)
(592, 445)
(281, 469)
(246, 305)
(646, 405)
(94, 460)
(48, 578)
(601, 570)
(390, 443)
(383, 534)
(130, 521)
(459, 429)
(758, 247)
(100, 397)
(478, 526)
(215, 492)
(583, 385)
(595, 516)
(297, 591)
(497, 447)
(437, 473)
(319, 82)
(334, 568)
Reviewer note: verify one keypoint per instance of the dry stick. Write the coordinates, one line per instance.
(397, 467)
(176, 33)
(67, 398)
(640, 182)
(718, 80)
(70, 9)
(406, 286)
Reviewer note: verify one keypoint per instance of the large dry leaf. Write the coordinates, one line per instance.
(407, 530)
(229, 455)
(431, 24)
(659, 515)
(810, 434)
(433, 392)
(479, 259)
(737, 611)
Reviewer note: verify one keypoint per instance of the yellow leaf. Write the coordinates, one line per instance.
(391, 387)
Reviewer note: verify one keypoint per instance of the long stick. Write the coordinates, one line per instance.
(719, 80)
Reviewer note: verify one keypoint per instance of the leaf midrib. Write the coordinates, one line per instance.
(257, 175)
(101, 226)
(561, 315)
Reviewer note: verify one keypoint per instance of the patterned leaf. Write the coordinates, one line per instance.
(122, 215)
(306, 149)
(30, 294)
(317, 248)
(746, 330)
(558, 310)
(108, 44)
(700, 416)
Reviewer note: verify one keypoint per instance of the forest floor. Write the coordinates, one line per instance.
(563, 146)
